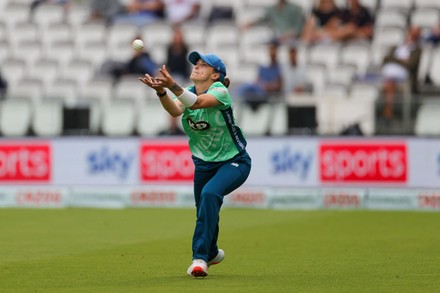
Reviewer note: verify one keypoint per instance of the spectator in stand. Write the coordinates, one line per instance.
(3, 86)
(180, 11)
(142, 12)
(322, 24)
(177, 53)
(401, 65)
(140, 63)
(286, 19)
(105, 10)
(269, 83)
(36, 3)
(294, 74)
(356, 23)
(433, 36)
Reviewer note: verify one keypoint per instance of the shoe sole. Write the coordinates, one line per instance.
(198, 272)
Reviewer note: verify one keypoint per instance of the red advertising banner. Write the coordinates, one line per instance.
(25, 162)
(169, 162)
(363, 162)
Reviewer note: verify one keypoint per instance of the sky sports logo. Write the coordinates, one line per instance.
(25, 162)
(363, 162)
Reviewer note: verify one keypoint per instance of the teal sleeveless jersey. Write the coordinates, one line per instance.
(212, 133)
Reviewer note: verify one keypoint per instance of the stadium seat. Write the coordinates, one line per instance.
(48, 118)
(425, 63)
(249, 14)
(317, 75)
(327, 55)
(334, 90)
(15, 117)
(427, 4)
(4, 51)
(279, 123)
(342, 74)
(90, 32)
(14, 13)
(220, 35)
(157, 33)
(426, 18)
(77, 15)
(63, 90)
(24, 32)
(121, 34)
(79, 70)
(119, 118)
(428, 120)
(63, 52)
(258, 35)
(404, 5)
(357, 55)
(57, 33)
(29, 51)
(388, 36)
(230, 55)
(94, 52)
(48, 14)
(194, 33)
(121, 53)
(257, 54)
(27, 88)
(46, 70)
(434, 71)
(99, 90)
(152, 119)
(131, 88)
(255, 122)
(390, 18)
(158, 54)
(13, 70)
(360, 90)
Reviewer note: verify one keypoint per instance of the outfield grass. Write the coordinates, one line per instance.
(149, 250)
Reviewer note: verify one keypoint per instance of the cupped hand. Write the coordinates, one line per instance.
(166, 80)
(152, 82)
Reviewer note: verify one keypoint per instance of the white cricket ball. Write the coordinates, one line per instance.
(138, 45)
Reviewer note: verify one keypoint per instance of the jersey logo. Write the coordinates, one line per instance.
(200, 125)
(235, 164)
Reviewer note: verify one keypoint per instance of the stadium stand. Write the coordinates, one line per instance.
(57, 54)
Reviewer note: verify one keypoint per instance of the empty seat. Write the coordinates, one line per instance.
(13, 70)
(4, 51)
(317, 75)
(157, 33)
(132, 89)
(194, 33)
(15, 117)
(257, 54)
(425, 18)
(57, 33)
(360, 90)
(342, 74)
(99, 90)
(152, 119)
(81, 71)
(404, 5)
(77, 15)
(434, 71)
(119, 118)
(47, 14)
(29, 51)
(279, 123)
(390, 18)
(428, 120)
(220, 35)
(357, 55)
(63, 90)
(328, 55)
(96, 53)
(427, 4)
(48, 118)
(46, 70)
(61, 51)
(90, 32)
(255, 122)
(22, 33)
(15, 13)
(121, 34)
(388, 36)
(257, 35)
(27, 88)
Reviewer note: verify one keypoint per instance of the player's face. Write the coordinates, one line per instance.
(202, 72)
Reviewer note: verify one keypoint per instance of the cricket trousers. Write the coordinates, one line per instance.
(213, 181)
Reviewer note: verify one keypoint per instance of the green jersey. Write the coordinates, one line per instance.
(213, 135)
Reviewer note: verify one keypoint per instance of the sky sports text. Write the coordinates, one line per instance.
(105, 160)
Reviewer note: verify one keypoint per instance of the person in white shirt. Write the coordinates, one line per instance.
(180, 11)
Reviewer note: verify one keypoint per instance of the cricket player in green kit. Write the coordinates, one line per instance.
(218, 147)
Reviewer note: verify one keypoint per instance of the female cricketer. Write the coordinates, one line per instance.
(218, 147)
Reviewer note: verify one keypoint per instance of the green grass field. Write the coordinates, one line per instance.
(149, 250)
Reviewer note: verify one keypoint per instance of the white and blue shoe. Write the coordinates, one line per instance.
(218, 259)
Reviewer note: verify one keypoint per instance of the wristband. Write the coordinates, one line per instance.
(160, 95)
(187, 98)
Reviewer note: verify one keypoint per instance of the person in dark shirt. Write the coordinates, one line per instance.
(356, 23)
(322, 22)
(177, 52)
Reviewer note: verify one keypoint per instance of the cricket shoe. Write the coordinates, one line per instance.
(218, 258)
(198, 268)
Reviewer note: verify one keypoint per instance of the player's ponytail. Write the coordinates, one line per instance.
(226, 82)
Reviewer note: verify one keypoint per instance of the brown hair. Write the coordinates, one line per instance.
(226, 82)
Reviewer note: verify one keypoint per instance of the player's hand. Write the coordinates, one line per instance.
(152, 83)
(166, 80)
